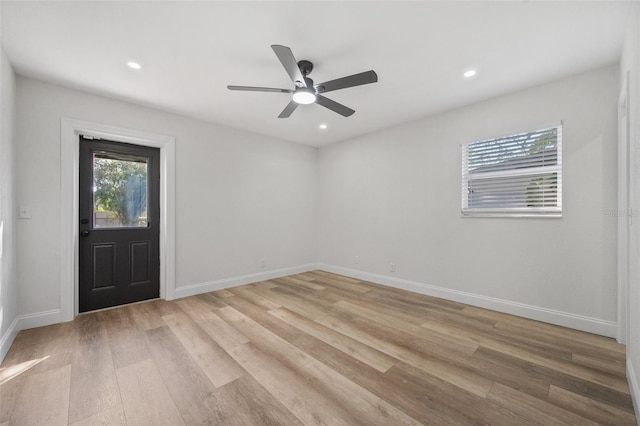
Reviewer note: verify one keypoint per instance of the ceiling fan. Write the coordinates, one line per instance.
(305, 92)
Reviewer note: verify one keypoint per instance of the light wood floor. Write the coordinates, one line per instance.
(313, 348)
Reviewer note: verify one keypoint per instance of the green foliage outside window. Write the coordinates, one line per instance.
(120, 187)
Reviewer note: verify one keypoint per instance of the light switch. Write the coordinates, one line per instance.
(25, 212)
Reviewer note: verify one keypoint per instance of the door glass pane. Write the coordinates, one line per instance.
(119, 191)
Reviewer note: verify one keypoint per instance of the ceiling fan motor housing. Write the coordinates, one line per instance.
(305, 67)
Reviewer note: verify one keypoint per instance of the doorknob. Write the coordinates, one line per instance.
(84, 234)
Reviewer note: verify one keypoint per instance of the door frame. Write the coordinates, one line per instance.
(69, 181)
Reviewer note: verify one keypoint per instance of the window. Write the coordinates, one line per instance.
(515, 175)
(119, 190)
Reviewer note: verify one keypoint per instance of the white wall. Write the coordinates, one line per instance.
(240, 197)
(631, 62)
(8, 276)
(394, 197)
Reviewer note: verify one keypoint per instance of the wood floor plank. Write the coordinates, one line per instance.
(535, 409)
(301, 283)
(447, 343)
(587, 407)
(93, 378)
(33, 352)
(262, 284)
(293, 303)
(510, 371)
(357, 350)
(308, 304)
(416, 299)
(145, 316)
(597, 392)
(44, 399)
(215, 298)
(576, 346)
(303, 276)
(464, 379)
(245, 402)
(218, 329)
(468, 408)
(9, 392)
(312, 348)
(197, 308)
(246, 293)
(164, 307)
(146, 399)
(109, 417)
(31, 345)
(224, 293)
(529, 375)
(413, 399)
(351, 286)
(126, 340)
(368, 407)
(308, 405)
(321, 297)
(605, 364)
(585, 373)
(545, 349)
(612, 382)
(219, 367)
(507, 321)
(187, 383)
(60, 338)
(431, 313)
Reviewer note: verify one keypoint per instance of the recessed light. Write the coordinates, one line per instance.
(469, 73)
(134, 65)
(322, 126)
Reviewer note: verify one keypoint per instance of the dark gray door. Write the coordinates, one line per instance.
(119, 259)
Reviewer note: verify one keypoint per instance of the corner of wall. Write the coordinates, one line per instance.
(630, 62)
(8, 271)
(6, 340)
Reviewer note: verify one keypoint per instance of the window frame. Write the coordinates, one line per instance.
(513, 212)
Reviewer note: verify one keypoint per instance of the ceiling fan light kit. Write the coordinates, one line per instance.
(304, 96)
(305, 91)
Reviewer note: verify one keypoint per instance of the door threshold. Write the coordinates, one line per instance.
(118, 306)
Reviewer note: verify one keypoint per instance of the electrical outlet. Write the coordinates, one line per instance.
(262, 264)
(392, 267)
(356, 259)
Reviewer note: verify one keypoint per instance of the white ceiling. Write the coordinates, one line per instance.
(190, 52)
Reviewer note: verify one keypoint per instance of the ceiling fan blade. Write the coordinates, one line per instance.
(259, 89)
(350, 81)
(334, 106)
(288, 110)
(289, 63)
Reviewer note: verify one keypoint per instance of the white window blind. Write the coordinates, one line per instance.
(515, 175)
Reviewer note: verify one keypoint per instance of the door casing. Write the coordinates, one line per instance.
(71, 130)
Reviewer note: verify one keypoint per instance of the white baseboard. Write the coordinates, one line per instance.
(565, 319)
(634, 387)
(39, 319)
(24, 322)
(206, 287)
(8, 338)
